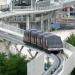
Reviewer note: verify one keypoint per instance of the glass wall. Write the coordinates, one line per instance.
(22, 2)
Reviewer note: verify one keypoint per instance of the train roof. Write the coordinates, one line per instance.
(54, 41)
(50, 35)
(29, 30)
(44, 33)
(36, 32)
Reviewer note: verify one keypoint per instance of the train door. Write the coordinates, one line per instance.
(32, 39)
(45, 43)
(25, 37)
(35, 39)
(39, 41)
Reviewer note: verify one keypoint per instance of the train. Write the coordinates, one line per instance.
(45, 41)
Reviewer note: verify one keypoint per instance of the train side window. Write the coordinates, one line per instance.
(28, 36)
(40, 41)
(34, 38)
(31, 38)
(46, 42)
(37, 40)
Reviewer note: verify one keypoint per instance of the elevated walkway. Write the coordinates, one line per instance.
(39, 10)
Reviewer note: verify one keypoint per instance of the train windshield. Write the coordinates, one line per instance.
(55, 42)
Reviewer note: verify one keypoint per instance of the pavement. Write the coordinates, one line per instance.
(63, 33)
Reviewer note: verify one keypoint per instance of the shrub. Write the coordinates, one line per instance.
(73, 72)
(13, 65)
(71, 39)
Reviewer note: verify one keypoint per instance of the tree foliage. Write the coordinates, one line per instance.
(73, 72)
(71, 39)
(13, 65)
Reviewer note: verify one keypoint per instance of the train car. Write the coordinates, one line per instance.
(27, 35)
(40, 39)
(26, 38)
(34, 35)
(52, 43)
(43, 40)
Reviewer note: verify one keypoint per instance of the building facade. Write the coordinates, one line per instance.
(3, 2)
(38, 20)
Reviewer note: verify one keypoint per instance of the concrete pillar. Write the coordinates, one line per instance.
(7, 45)
(33, 4)
(11, 6)
(22, 18)
(47, 59)
(42, 25)
(27, 22)
(68, 12)
(49, 22)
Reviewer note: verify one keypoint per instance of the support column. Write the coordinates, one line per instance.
(49, 22)
(32, 57)
(42, 25)
(27, 22)
(68, 11)
(22, 18)
(33, 4)
(11, 5)
(48, 64)
(7, 45)
(19, 51)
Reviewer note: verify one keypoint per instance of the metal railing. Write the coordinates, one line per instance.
(54, 67)
(39, 5)
(6, 6)
(11, 28)
(42, 4)
(68, 46)
(13, 38)
(22, 7)
(58, 70)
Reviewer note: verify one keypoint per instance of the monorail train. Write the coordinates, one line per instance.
(44, 40)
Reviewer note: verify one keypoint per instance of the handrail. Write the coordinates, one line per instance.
(12, 38)
(4, 6)
(38, 9)
(12, 28)
(22, 7)
(68, 46)
(58, 70)
(53, 68)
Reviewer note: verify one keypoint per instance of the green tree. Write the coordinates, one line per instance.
(71, 39)
(73, 72)
(13, 65)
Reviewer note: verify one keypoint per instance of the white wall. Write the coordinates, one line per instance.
(36, 66)
(68, 65)
(3, 2)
